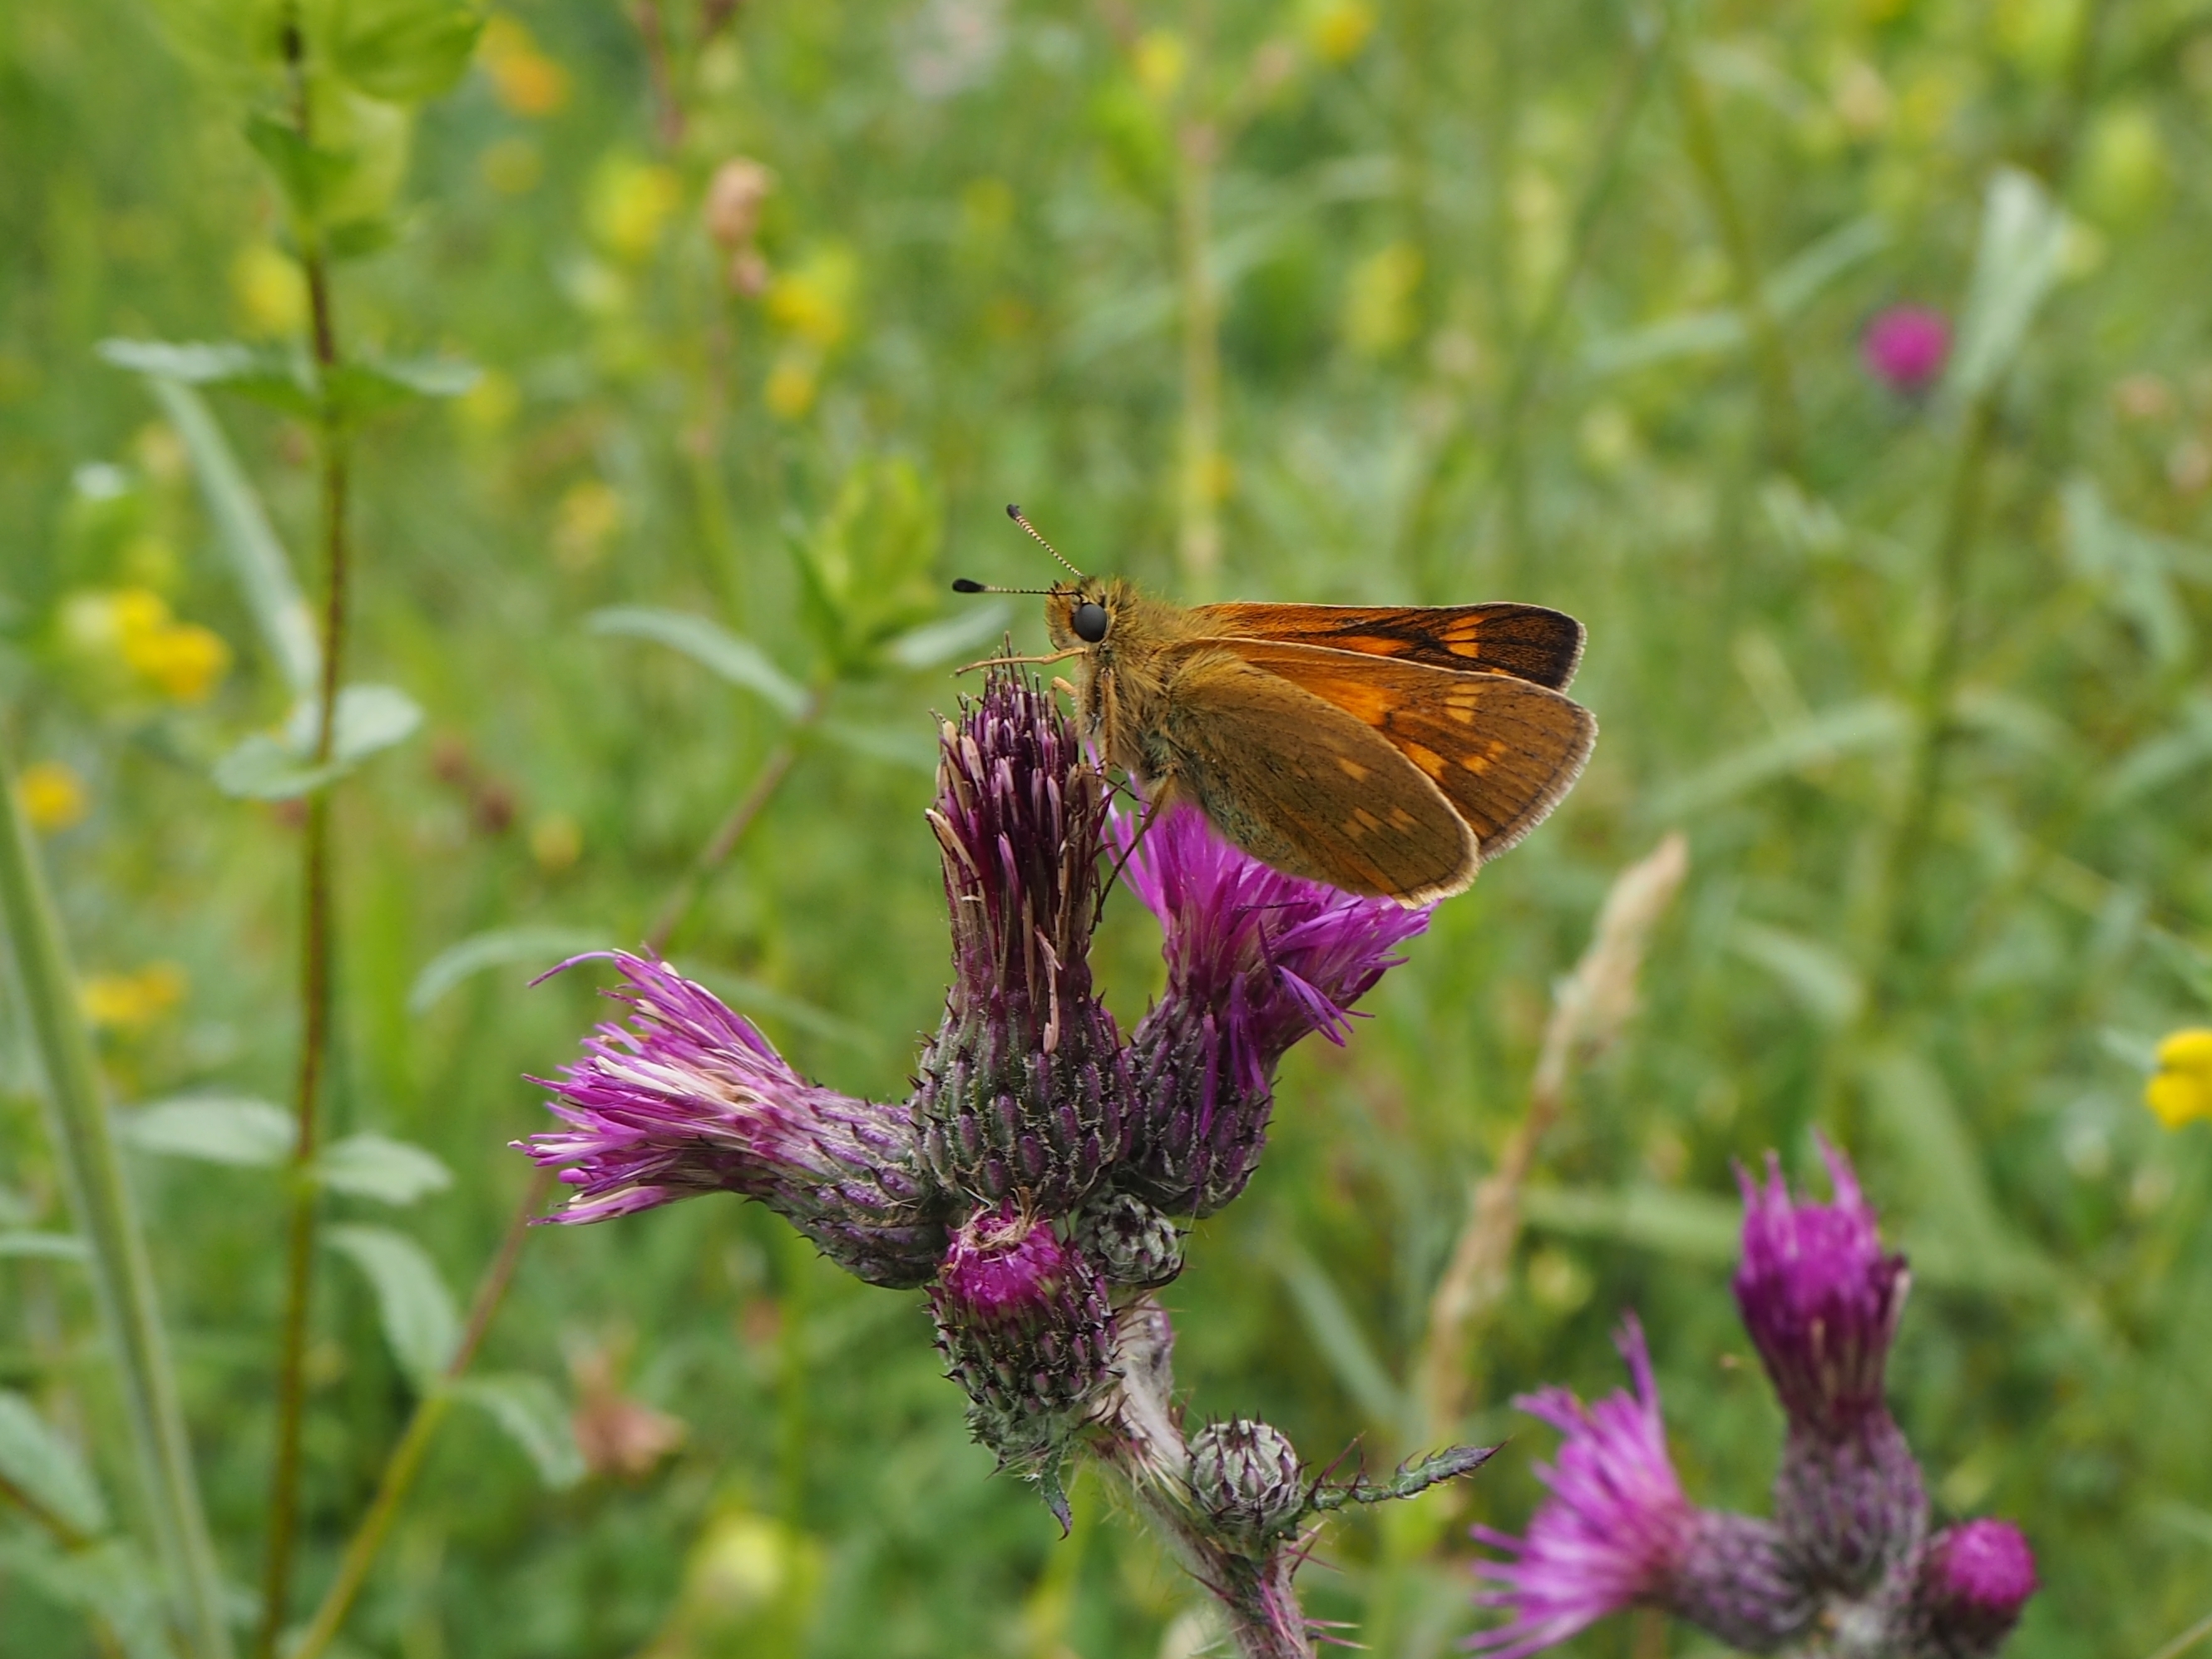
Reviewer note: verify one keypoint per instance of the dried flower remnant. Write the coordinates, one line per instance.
(2180, 1090)
(1906, 348)
(731, 212)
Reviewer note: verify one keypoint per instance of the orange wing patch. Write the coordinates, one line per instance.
(1523, 641)
(1502, 751)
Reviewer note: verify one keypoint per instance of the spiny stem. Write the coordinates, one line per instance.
(317, 919)
(406, 1460)
(100, 1198)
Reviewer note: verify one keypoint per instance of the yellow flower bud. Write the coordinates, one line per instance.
(2181, 1088)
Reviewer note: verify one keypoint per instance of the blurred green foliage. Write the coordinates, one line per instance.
(1561, 304)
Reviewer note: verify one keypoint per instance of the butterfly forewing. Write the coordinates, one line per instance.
(1339, 805)
(1502, 751)
(1524, 642)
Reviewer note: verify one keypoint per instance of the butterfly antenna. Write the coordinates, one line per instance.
(1015, 514)
(966, 585)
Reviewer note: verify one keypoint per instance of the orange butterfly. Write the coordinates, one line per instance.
(1389, 750)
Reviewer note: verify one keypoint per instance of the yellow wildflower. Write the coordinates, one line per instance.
(1162, 57)
(556, 841)
(792, 385)
(523, 79)
(53, 795)
(588, 514)
(130, 1002)
(2181, 1088)
(1337, 31)
(270, 292)
(626, 204)
(1378, 303)
(814, 299)
(182, 661)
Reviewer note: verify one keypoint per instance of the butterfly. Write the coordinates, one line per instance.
(1389, 750)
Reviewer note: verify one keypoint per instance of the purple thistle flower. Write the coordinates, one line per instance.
(1821, 1302)
(1905, 347)
(1023, 1322)
(684, 1097)
(1023, 1089)
(1973, 1581)
(1257, 961)
(1618, 1531)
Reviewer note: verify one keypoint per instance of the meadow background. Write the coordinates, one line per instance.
(1328, 302)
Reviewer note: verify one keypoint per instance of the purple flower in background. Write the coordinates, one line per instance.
(1905, 347)
(684, 1097)
(1257, 960)
(1974, 1579)
(1617, 1532)
(1847, 1550)
(1820, 1300)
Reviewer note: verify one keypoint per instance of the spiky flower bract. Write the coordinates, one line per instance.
(1023, 1089)
(682, 1096)
(1257, 961)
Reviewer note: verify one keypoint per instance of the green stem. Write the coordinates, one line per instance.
(123, 1278)
(2188, 1639)
(1770, 360)
(317, 922)
(1197, 473)
(406, 1460)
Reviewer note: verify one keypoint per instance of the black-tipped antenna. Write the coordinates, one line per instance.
(1015, 514)
(968, 585)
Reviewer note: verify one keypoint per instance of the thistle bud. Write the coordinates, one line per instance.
(1025, 1328)
(1972, 1582)
(1133, 1243)
(1246, 1479)
(1023, 1090)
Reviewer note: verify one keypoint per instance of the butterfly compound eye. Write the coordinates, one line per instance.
(1088, 621)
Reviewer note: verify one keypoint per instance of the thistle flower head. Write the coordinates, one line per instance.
(1906, 348)
(1615, 1528)
(1257, 961)
(1022, 1088)
(1024, 1325)
(1973, 1581)
(682, 1096)
(1819, 1297)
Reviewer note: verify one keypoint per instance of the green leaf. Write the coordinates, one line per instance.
(360, 389)
(404, 51)
(357, 238)
(53, 1247)
(1822, 980)
(283, 380)
(2127, 568)
(1335, 1331)
(217, 1129)
(708, 644)
(1410, 1480)
(387, 1170)
(1691, 1226)
(45, 1467)
(893, 746)
(531, 1413)
(2023, 236)
(420, 1319)
(257, 560)
(866, 565)
(111, 1580)
(949, 638)
(539, 948)
(267, 766)
(307, 175)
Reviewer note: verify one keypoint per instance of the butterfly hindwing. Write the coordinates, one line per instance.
(1524, 642)
(1339, 806)
(1502, 751)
